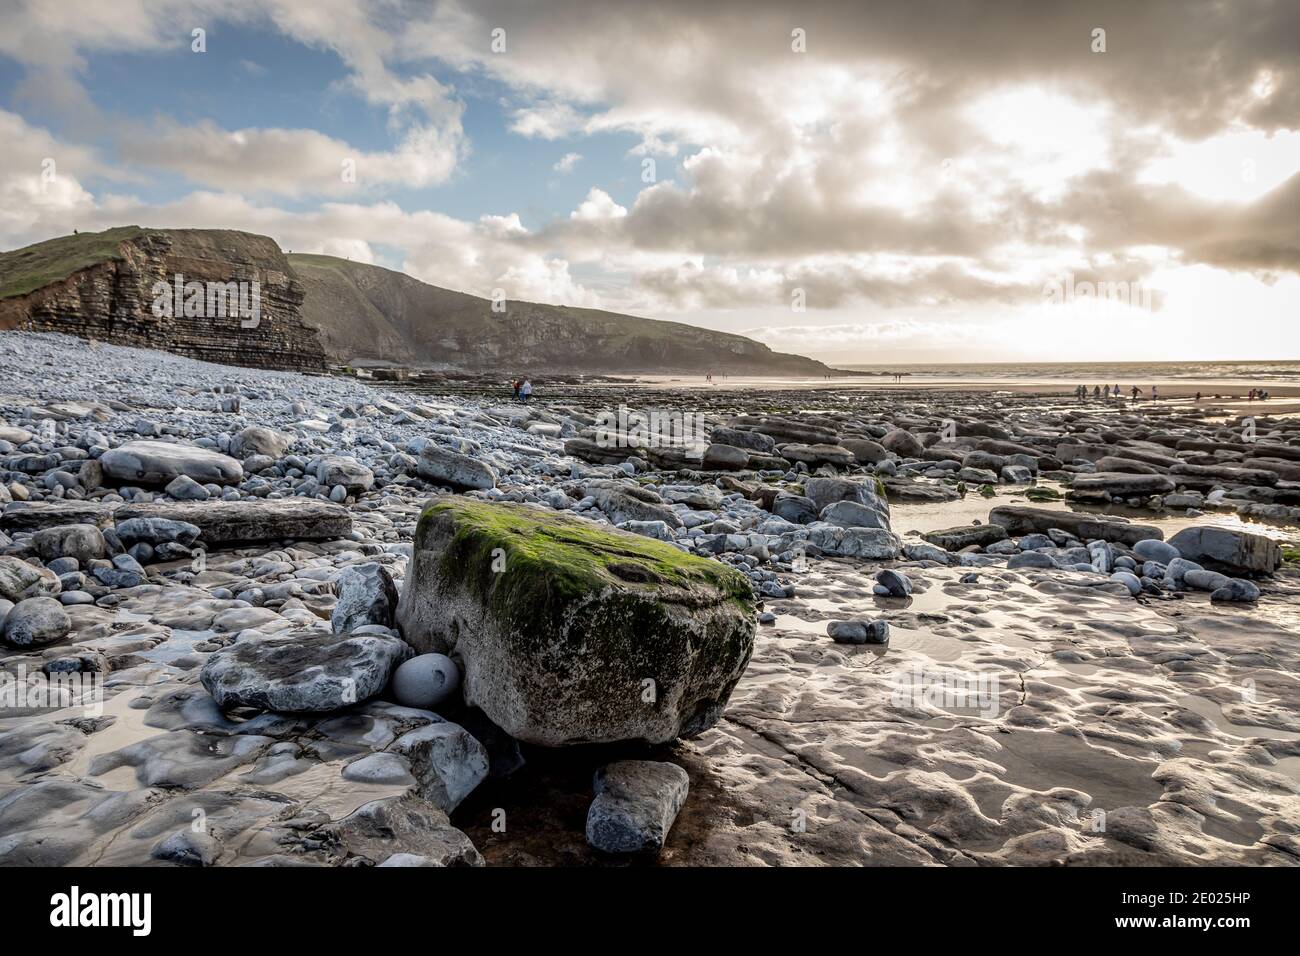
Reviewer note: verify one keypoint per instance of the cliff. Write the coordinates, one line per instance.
(367, 313)
(105, 286)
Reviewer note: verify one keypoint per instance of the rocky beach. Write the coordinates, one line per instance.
(256, 617)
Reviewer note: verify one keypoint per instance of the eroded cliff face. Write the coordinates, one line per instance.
(113, 299)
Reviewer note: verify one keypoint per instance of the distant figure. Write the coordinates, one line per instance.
(1136, 392)
(1198, 398)
(1117, 389)
(1096, 392)
(515, 386)
(525, 390)
(1155, 393)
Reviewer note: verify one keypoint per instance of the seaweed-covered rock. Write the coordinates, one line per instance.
(570, 632)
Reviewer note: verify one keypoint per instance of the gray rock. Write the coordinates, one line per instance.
(902, 443)
(1030, 559)
(426, 681)
(637, 802)
(187, 848)
(308, 673)
(442, 466)
(1129, 580)
(83, 542)
(446, 761)
(955, 539)
(1019, 520)
(719, 457)
(356, 478)
(628, 502)
(1228, 551)
(155, 531)
(20, 580)
(366, 595)
(1204, 580)
(895, 583)
(858, 632)
(185, 488)
(1236, 589)
(794, 508)
(158, 463)
(381, 768)
(36, 621)
(258, 440)
(236, 522)
(1150, 549)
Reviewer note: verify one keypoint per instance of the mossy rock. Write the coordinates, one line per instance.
(573, 632)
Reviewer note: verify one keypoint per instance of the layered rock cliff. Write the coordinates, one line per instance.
(106, 286)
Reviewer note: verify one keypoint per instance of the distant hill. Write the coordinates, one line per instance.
(366, 313)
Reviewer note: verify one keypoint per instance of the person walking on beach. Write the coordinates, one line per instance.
(1136, 392)
(526, 390)
(1117, 389)
(515, 388)
(1252, 396)
(1096, 392)
(1155, 393)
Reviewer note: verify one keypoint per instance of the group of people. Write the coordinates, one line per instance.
(522, 389)
(1104, 391)
(1258, 393)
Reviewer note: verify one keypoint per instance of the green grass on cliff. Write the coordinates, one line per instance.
(27, 269)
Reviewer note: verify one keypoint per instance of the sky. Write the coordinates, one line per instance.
(880, 183)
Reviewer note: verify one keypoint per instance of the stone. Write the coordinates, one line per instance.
(637, 802)
(222, 523)
(794, 508)
(83, 542)
(158, 463)
(875, 544)
(442, 466)
(858, 632)
(1129, 580)
(1149, 549)
(850, 514)
(446, 760)
(185, 488)
(563, 627)
(817, 454)
(895, 583)
(1227, 550)
(426, 681)
(381, 768)
(740, 438)
(865, 451)
(407, 824)
(366, 595)
(306, 673)
(355, 477)
(1107, 484)
(824, 492)
(1018, 520)
(259, 440)
(1203, 580)
(156, 531)
(719, 457)
(902, 443)
(187, 848)
(36, 621)
(1030, 559)
(1237, 590)
(628, 502)
(20, 580)
(974, 535)
(49, 514)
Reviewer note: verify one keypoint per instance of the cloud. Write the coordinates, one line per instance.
(566, 163)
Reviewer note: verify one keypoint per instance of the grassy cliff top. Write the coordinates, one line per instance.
(31, 267)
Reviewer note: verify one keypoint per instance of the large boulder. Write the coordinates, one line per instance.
(340, 470)
(158, 462)
(252, 520)
(875, 544)
(624, 502)
(304, 673)
(824, 492)
(35, 621)
(367, 595)
(1228, 551)
(720, 457)
(902, 443)
(442, 466)
(1108, 484)
(85, 542)
(571, 632)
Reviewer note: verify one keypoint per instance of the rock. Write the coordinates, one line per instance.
(850, 514)
(185, 488)
(367, 595)
(50, 514)
(187, 848)
(1030, 559)
(570, 632)
(871, 543)
(156, 531)
(258, 440)
(636, 803)
(446, 761)
(378, 830)
(442, 466)
(20, 580)
(719, 457)
(865, 452)
(84, 542)
(902, 443)
(794, 508)
(335, 470)
(306, 673)
(1016, 474)
(1129, 580)
(35, 621)
(1149, 549)
(1235, 590)
(222, 523)
(426, 681)
(817, 454)
(858, 632)
(626, 502)
(381, 768)
(1107, 484)
(1203, 580)
(748, 440)
(1229, 551)
(1019, 520)
(974, 535)
(895, 583)
(158, 463)
(824, 492)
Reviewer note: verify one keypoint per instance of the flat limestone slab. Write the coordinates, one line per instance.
(1085, 527)
(40, 515)
(234, 522)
